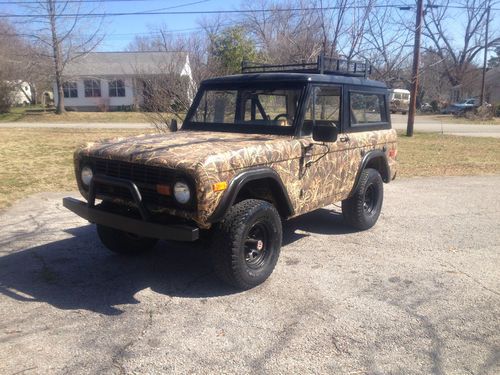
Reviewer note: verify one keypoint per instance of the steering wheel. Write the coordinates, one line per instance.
(281, 115)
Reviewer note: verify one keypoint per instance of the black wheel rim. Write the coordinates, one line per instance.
(256, 246)
(370, 200)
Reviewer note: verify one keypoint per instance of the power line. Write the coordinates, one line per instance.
(94, 14)
(79, 1)
(124, 36)
(192, 12)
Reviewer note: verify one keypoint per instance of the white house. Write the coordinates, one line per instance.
(117, 80)
(472, 87)
(21, 92)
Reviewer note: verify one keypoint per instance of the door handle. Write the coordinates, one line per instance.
(345, 138)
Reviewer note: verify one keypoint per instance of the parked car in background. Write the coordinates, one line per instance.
(399, 100)
(426, 108)
(462, 106)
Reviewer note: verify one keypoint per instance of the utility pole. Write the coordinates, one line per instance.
(481, 102)
(416, 63)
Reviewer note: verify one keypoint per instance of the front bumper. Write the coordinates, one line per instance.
(127, 224)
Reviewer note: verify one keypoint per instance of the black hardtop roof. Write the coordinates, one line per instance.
(293, 78)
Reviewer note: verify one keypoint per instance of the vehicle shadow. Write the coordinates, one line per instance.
(323, 221)
(79, 273)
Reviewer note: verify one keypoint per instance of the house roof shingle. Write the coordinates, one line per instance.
(126, 63)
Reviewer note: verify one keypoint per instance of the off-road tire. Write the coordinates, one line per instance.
(235, 259)
(362, 209)
(121, 242)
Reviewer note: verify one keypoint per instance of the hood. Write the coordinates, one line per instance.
(186, 149)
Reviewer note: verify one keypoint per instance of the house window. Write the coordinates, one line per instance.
(116, 88)
(92, 88)
(70, 90)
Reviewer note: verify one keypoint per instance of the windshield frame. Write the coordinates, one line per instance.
(247, 128)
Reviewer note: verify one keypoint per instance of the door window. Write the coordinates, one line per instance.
(324, 106)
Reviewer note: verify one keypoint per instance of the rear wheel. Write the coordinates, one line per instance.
(121, 242)
(247, 243)
(363, 208)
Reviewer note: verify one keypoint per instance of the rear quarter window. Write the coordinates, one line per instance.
(366, 109)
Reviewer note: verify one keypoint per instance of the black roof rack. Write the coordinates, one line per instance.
(323, 65)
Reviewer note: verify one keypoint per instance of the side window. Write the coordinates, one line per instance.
(324, 106)
(116, 88)
(367, 108)
(70, 89)
(92, 88)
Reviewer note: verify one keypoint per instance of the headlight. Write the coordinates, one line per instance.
(87, 175)
(182, 193)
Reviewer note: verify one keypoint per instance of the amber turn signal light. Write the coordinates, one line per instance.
(164, 189)
(219, 186)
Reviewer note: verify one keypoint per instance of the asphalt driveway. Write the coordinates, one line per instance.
(417, 294)
(429, 124)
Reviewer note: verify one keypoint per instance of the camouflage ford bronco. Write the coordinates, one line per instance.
(255, 149)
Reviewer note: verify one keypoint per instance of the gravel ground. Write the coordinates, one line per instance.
(417, 294)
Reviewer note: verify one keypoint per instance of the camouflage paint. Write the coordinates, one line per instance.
(314, 175)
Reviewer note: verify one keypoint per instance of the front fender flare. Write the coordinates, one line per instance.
(238, 182)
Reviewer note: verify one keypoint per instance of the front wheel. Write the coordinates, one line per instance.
(363, 208)
(123, 242)
(246, 243)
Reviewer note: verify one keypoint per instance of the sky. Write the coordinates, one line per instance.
(121, 30)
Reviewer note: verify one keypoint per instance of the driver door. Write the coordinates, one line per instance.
(324, 177)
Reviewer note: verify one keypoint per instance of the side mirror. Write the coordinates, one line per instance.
(173, 125)
(325, 132)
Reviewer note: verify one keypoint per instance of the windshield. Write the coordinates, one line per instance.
(247, 109)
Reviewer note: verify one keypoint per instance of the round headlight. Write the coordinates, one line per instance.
(87, 175)
(182, 193)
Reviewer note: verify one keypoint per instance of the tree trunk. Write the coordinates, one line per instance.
(56, 49)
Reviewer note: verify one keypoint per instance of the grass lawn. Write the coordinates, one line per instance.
(36, 114)
(15, 114)
(450, 119)
(433, 154)
(36, 160)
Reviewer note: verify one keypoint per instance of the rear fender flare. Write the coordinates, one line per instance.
(384, 169)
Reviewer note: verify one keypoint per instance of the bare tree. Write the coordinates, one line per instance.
(63, 31)
(386, 46)
(167, 88)
(18, 62)
(458, 50)
(434, 83)
(195, 44)
(299, 30)
(284, 34)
